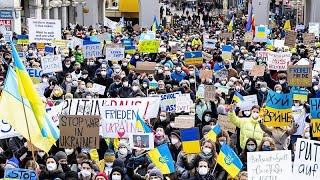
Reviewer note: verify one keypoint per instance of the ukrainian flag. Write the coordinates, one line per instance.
(287, 25)
(155, 24)
(193, 58)
(261, 31)
(190, 140)
(229, 160)
(162, 158)
(226, 52)
(231, 24)
(237, 97)
(130, 49)
(212, 134)
(140, 124)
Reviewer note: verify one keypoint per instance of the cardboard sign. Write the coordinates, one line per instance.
(225, 124)
(51, 63)
(209, 93)
(269, 165)
(257, 70)
(183, 103)
(168, 101)
(92, 50)
(290, 39)
(98, 88)
(207, 56)
(226, 35)
(114, 54)
(136, 27)
(306, 161)
(148, 46)
(147, 67)
(308, 38)
(79, 131)
(184, 121)
(300, 75)
(206, 74)
(248, 37)
(44, 30)
(223, 73)
(141, 141)
(22, 174)
(278, 61)
(248, 65)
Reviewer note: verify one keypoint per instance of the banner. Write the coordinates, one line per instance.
(118, 121)
(51, 64)
(148, 106)
(6, 130)
(44, 30)
(114, 54)
(168, 101)
(18, 173)
(209, 44)
(307, 159)
(315, 114)
(300, 75)
(35, 74)
(148, 46)
(279, 109)
(92, 50)
(263, 55)
(278, 61)
(269, 165)
(79, 131)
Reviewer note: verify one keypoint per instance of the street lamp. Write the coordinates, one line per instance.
(82, 3)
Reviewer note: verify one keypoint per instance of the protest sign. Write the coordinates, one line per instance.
(207, 56)
(104, 37)
(149, 35)
(193, 58)
(261, 34)
(23, 39)
(19, 173)
(299, 93)
(40, 45)
(300, 27)
(314, 28)
(209, 44)
(315, 124)
(300, 75)
(248, 37)
(98, 88)
(148, 46)
(263, 55)
(147, 67)
(148, 106)
(162, 49)
(130, 49)
(269, 165)
(35, 74)
(307, 159)
(257, 70)
(184, 121)
(168, 101)
(51, 63)
(315, 114)
(48, 49)
(225, 124)
(118, 121)
(248, 65)
(206, 74)
(225, 35)
(44, 30)
(54, 113)
(209, 93)
(141, 141)
(226, 52)
(92, 50)
(308, 38)
(223, 73)
(279, 109)
(114, 54)
(136, 27)
(183, 103)
(278, 43)
(290, 39)
(79, 131)
(278, 61)
(76, 42)
(6, 130)
(248, 102)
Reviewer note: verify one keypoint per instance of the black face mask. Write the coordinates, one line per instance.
(227, 66)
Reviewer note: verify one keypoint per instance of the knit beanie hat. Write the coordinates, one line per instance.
(101, 174)
(60, 155)
(176, 133)
(156, 172)
(14, 162)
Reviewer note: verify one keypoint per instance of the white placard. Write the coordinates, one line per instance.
(300, 27)
(6, 130)
(98, 88)
(314, 28)
(183, 103)
(278, 43)
(248, 65)
(209, 43)
(141, 141)
(269, 165)
(51, 63)
(316, 66)
(248, 102)
(307, 160)
(92, 50)
(160, 49)
(278, 61)
(54, 113)
(44, 30)
(114, 54)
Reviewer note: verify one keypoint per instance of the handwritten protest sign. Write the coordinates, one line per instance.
(118, 121)
(6, 130)
(207, 56)
(183, 103)
(257, 70)
(225, 35)
(51, 63)
(114, 54)
(315, 114)
(278, 43)
(263, 55)
(147, 67)
(92, 50)
(98, 88)
(307, 159)
(206, 74)
(248, 37)
(209, 44)
(168, 101)
(290, 39)
(184, 121)
(269, 165)
(248, 65)
(148, 46)
(279, 109)
(22, 174)
(308, 38)
(54, 113)
(248, 102)
(278, 61)
(223, 73)
(44, 30)
(209, 93)
(300, 75)
(79, 131)
(225, 124)
(314, 28)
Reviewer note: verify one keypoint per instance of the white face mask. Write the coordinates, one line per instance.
(307, 135)
(103, 73)
(263, 89)
(124, 64)
(41, 154)
(174, 140)
(282, 81)
(247, 113)
(296, 104)
(315, 88)
(123, 151)
(206, 151)
(51, 166)
(163, 118)
(116, 177)
(68, 151)
(44, 80)
(207, 118)
(255, 115)
(85, 173)
(145, 85)
(125, 84)
(278, 91)
(135, 88)
(203, 171)
(172, 124)
(109, 164)
(246, 81)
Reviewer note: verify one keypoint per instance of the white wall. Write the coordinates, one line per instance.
(261, 11)
(147, 10)
(90, 18)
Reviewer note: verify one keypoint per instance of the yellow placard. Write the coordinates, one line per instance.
(23, 41)
(277, 117)
(194, 61)
(40, 45)
(148, 46)
(315, 127)
(300, 97)
(63, 44)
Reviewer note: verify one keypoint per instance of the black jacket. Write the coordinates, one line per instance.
(17, 147)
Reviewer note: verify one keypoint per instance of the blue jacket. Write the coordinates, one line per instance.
(133, 61)
(217, 67)
(178, 76)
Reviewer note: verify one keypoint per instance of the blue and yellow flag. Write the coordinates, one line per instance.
(155, 24)
(287, 25)
(190, 140)
(237, 97)
(212, 134)
(162, 158)
(231, 24)
(140, 124)
(229, 160)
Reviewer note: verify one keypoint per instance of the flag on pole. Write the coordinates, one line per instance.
(155, 24)
(250, 27)
(140, 124)
(231, 24)
(229, 160)
(162, 158)
(287, 25)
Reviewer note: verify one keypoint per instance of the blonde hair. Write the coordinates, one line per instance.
(272, 144)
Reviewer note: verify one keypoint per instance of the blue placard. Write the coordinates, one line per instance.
(6, 14)
(196, 54)
(315, 108)
(49, 49)
(23, 36)
(127, 42)
(18, 173)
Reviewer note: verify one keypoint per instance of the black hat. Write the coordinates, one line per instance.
(119, 170)
(176, 133)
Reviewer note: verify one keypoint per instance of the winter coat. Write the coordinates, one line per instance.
(124, 92)
(52, 175)
(17, 147)
(178, 76)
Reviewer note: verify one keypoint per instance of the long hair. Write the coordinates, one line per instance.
(272, 144)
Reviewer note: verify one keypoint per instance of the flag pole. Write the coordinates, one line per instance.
(25, 115)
